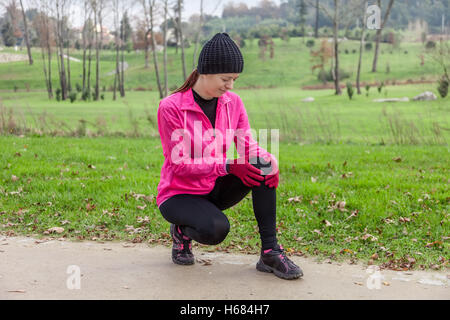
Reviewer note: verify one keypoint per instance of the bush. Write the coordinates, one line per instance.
(367, 90)
(73, 97)
(380, 86)
(443, 86)
(58, 94)
(78, 87)
(350, 90)
(430, 44)
(310, 43)
(354, 51)
(368, 46)
(346, 51)
(322, 76)
(342, 75)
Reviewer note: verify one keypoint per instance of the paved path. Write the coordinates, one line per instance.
(32, 269)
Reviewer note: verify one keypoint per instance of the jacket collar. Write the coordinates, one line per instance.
(188, 102)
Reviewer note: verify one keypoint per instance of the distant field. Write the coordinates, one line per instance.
(291, 66)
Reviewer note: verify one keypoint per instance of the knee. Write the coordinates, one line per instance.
(261, 164)
(215, 232)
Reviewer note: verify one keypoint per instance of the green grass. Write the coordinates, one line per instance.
(291, 67)
(89, 187)
(329, 119)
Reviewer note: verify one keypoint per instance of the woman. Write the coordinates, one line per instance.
(197, 124)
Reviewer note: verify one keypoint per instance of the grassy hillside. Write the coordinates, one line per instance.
(291, 66)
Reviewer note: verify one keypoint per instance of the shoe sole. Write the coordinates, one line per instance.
(264, 268)
(183, 263)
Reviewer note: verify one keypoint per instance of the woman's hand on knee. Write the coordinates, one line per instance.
(249, 175)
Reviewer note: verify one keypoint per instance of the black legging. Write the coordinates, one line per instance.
(200, 216)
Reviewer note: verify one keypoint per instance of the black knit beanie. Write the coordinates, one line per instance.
(220, 55)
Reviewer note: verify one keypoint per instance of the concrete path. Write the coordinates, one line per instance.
(36, 269)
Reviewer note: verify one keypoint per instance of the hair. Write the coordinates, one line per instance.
(189, 83)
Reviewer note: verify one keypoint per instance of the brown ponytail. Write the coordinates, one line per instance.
(189, 83)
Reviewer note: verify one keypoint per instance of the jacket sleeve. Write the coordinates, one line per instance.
(243, 139)
(176, 144)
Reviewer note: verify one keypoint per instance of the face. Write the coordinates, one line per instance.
(216, 85)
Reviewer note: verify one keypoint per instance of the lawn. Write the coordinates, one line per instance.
(379, 204)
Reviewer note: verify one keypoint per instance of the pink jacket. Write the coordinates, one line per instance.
(195, 154)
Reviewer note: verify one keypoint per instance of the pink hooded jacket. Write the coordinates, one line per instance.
(193, 163)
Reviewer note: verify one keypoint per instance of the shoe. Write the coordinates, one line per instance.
(275, 260)
(181, 249)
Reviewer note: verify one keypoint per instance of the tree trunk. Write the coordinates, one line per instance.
(155, 56)
(378, 37)
(122, 67)
(166, 84)
(363, 33)
(180, 32)
(62, 77)
(197, 37)
(30, 58)
(316, 29)
(69, 83)
(336, 48)
(95, 9)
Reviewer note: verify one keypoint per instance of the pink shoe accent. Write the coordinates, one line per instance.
(266, 251)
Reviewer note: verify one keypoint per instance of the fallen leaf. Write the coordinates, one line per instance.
(17, 291)
(296, 199)
(90, 166)
(327, 223)
(204, 262)
(397, 159)
(385, 283)
(313, 179)
(141, 207)
(55, 230)
(14, 178)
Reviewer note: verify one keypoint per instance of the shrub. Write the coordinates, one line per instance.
(58, 94)
(342, 75)
(430, 44)
(346, 51)
(367, 90)
(78, 87)
(380, 86)
(350, 90)
(354, 51)
(73, 97)
(102, 96)
(310, 43)
(443, 86)
(368, 46)
(322, 76)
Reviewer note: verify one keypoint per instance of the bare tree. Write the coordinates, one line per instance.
(316, 27)
(341, 12)
(43, 27)
(180, 33)
(378, 36)
(166, 82)
(60, 6)
(97, 9)
(363, 34)
(149, 12)
(152, 7)
(197, 36)
(27, 41)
